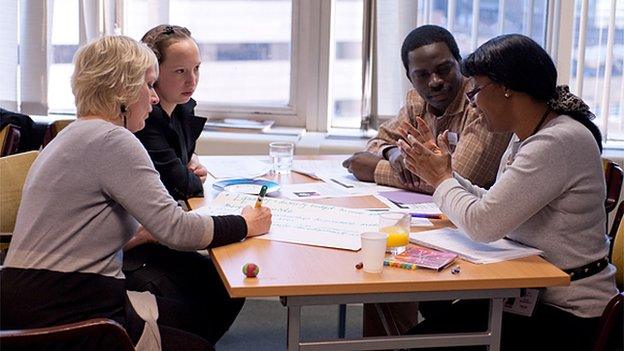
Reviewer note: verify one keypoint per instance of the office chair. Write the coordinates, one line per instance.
(91, 334)
(613, 177)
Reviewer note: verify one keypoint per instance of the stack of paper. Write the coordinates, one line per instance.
(454, 240)
(249, 167)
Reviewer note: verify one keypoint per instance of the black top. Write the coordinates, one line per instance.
(170, 142)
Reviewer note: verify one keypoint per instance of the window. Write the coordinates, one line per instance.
(301, 62)
(346, 73)
(470, 25)
(65, 40)
(598, 64)
(245, 46)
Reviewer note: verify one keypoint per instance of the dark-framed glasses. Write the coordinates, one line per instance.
(472, 93)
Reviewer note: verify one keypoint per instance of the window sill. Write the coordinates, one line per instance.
(306, 143)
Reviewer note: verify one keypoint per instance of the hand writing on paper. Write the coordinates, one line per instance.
(258, 220)
(425, 158)
(197, 168)
(362, 165)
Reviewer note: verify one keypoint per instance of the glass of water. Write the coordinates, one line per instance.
(282, 155)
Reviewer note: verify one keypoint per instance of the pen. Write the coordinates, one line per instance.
(263, 191)
(398, 204)
(341, 183)
(426, 215)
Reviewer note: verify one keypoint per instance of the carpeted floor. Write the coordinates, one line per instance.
(261, 326)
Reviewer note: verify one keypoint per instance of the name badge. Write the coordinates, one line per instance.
(523, 305)
(452, 138)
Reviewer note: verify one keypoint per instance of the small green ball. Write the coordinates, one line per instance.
(251, 270)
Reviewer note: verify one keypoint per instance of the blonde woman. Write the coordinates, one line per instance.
(91, 191)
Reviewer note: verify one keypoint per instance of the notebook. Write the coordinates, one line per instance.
(455, 240)
(418, 256)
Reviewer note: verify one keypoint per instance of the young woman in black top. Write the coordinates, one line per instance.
(169, 136)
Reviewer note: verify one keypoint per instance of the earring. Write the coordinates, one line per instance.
(507, 95)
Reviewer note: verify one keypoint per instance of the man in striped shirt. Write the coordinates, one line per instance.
(431, 59)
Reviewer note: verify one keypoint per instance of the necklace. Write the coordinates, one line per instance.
(539, 125)
(512, 155)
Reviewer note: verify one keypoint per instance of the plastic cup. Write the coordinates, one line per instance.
(373, 251)
(282, 155)
(397, 226)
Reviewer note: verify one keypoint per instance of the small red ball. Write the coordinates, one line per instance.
(251, 270)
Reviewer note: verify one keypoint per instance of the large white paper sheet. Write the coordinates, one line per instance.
(454, 240)
(302, 222)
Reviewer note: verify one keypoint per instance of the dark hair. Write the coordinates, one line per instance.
(520, 64)
(160, 37)
(426, 35)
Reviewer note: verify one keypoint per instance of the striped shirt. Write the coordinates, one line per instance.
(476, 156)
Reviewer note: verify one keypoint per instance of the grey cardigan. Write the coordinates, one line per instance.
(549, 194)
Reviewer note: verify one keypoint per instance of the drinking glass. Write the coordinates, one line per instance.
(397, 226)
(282, 155)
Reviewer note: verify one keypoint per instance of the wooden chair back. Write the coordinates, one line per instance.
(616, 252)
(610, 333)
(9, 140)
(54, 128)
(613, 177)
(13, 171)
(94, 334)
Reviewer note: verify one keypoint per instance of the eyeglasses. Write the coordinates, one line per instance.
(472, 93)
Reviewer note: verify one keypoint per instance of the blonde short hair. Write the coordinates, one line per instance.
(108, 74)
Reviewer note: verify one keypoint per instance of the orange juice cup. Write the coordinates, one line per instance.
(397, 226)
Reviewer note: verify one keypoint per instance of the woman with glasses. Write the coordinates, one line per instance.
(549, 194)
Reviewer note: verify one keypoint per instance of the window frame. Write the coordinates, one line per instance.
(309, 67)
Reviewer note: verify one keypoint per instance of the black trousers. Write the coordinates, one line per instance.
(190, 282)
(548, 329)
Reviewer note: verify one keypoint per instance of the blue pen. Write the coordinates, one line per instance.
(426, 215)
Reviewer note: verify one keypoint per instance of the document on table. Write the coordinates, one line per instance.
(302, 222)
(412, 202)
(315, 190)
(248, 167)
(454, 240)
(332, 173)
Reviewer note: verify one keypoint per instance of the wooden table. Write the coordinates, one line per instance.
(306, 275)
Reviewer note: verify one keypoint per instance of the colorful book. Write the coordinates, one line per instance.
(417, 256)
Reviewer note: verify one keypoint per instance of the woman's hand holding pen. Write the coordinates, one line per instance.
(425, 158)
(258, 220)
